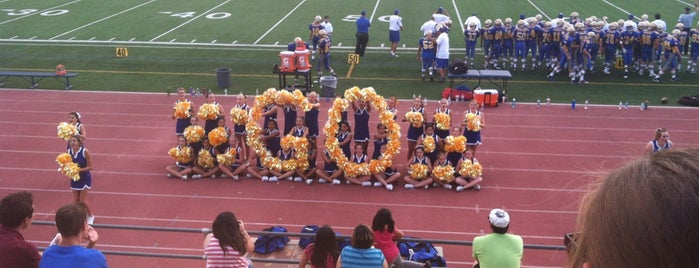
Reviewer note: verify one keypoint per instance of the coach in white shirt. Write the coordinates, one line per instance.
(327, 26)
(395, 25)
(442, 52)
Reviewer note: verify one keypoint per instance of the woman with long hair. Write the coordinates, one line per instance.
(228, 243)
(323, 252)
(385, 236)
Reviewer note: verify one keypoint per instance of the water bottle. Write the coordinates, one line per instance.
(504, 98)
(572, 104)
(419, 95)
(413, 95)
(642, 108)
(192, 92)
(198, 92)
(538, 103)
(620, 105)
(548, 101)
(626, 106)
(587, 102)
(225, 91)
(514, 103)
(257, 92)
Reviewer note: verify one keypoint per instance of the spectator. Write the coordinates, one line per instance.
(16, 212)
(362, 35)
(643, 214)
(323, 252)
(385, 236)
(498, 249)
(687, 20)
(660, 142)
(361, 253)
(228, 243)
(395, 25)
(71, 222)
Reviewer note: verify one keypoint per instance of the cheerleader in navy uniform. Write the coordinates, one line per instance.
(258, 171)
(414, 132)
(81, 156)
(389, 176)
(391, 106)
(312, 117)
(418, 158)
(300, 130)
(442, 161)
(380, 139)
(194, 121)
(270, 113)
(467, 181)
(443, 109)
(182, 122)
(211, 124)
(361, 123)
(74, 119)
(429, 132)
(344, 138)
(239, 165)
(660, 143)
(284, 154)
(239, 130)
(221, 122)
(308, 174)
(181, 170)
(453, 157)
(359, 157)
(270, 135)
(289, 118)
(201, 171)
(473, 138)
(330, 171)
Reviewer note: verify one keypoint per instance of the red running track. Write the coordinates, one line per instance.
(537, 164)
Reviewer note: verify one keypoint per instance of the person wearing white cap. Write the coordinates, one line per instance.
(498, 249)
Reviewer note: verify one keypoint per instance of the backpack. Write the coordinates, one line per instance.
(458, 67)
(421, 252)
(689, 100)
(266, 244)
(304, 241)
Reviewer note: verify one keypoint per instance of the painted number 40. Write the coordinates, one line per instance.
(22, 12)
(212, 16)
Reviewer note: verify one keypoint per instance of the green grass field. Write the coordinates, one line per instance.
(181, 43)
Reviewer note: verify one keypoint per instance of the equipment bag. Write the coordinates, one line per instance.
(266, 244)
(304, 241)
(458, 67)
(421, 252)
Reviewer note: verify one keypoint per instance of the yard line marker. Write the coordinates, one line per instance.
(14, 37)
(102, 19)
(236, 41)
(278, 22)
(276, 43)
(193, 41)
(134, 38)
(539, 9)
(187, 22)
(71, 38)
(686, 3)
(458, 15)
(93, 38)
(173, 40)
(32, 38)
(39, 12)
(339, 44)
(213, 41)
(112, 39)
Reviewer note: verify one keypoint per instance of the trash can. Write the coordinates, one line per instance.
(223, 76)
(328, 84)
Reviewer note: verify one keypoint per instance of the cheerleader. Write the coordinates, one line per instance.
(312, 117)
(198, 168)
(289, 117)
(660, 143)
(74, 119)
(284, 154)
(258, 171)
(429, 132)
(81, 156)
(194, 121)
(443, 109)
(240, 129)
(441, 162)
(359, 157)
(330, 171)
(466, 181)
(344, 138)
(181, 170)
(389, 176)
(221, 122)
(473, 138)
(182, 122)
(307, 174)
(418, 158)
(453, 157)
(270, 136)
(237, 166)
(361, 123)
(270, 113)
(380, 139)
(300, 130)
(212, 123)
(414, 132)
(391, 106)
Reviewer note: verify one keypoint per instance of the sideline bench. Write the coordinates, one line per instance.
(34, 77)
(491, 75)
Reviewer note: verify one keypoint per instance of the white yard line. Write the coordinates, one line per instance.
(187, 22)
(617, 7)
(102, 19)
(278, 22)
(38, 12)
(539, 9)
(458, 15)
(373, 12)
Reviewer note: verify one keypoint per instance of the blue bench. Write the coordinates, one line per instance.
(34, 77)
(491, 75)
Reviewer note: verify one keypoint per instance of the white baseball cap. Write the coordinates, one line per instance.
(499, 218)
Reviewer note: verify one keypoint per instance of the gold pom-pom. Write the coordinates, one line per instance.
(66, 131)
(466, 167)
(208, 111)
(193, 133)
(218, 136)
(414, 118)
(205, 159)
(443, 173)
(476, 170)
(418, 171)
(376, 166)
(443, 121)
(473, 122)
(63, 159)
(72, 171)
(455, 144)
(182, 110)
(239, 116)
(429, 144)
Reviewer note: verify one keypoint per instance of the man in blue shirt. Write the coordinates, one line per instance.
(71, 222)
(362, 35)
(687, 19)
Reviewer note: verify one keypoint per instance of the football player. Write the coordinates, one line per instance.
(426, 49)
(671, 57)
(471, 35)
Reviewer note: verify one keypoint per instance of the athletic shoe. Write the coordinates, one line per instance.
(447, 186)
(656, 80)
(169, 175)
(265, 178)
(377, 184)
(236, 177)
(213, 176)
(224, 176)
(322, 181)
(273, 179)
(184, 177)
(248, 175)
(409, 186)
(290, 179)
(460, 188)
(477, 187)
(90, 219)
(298, 179)
(336, 182)
(309, 181)
(196, 176)
(389, 187)
(366, 184)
